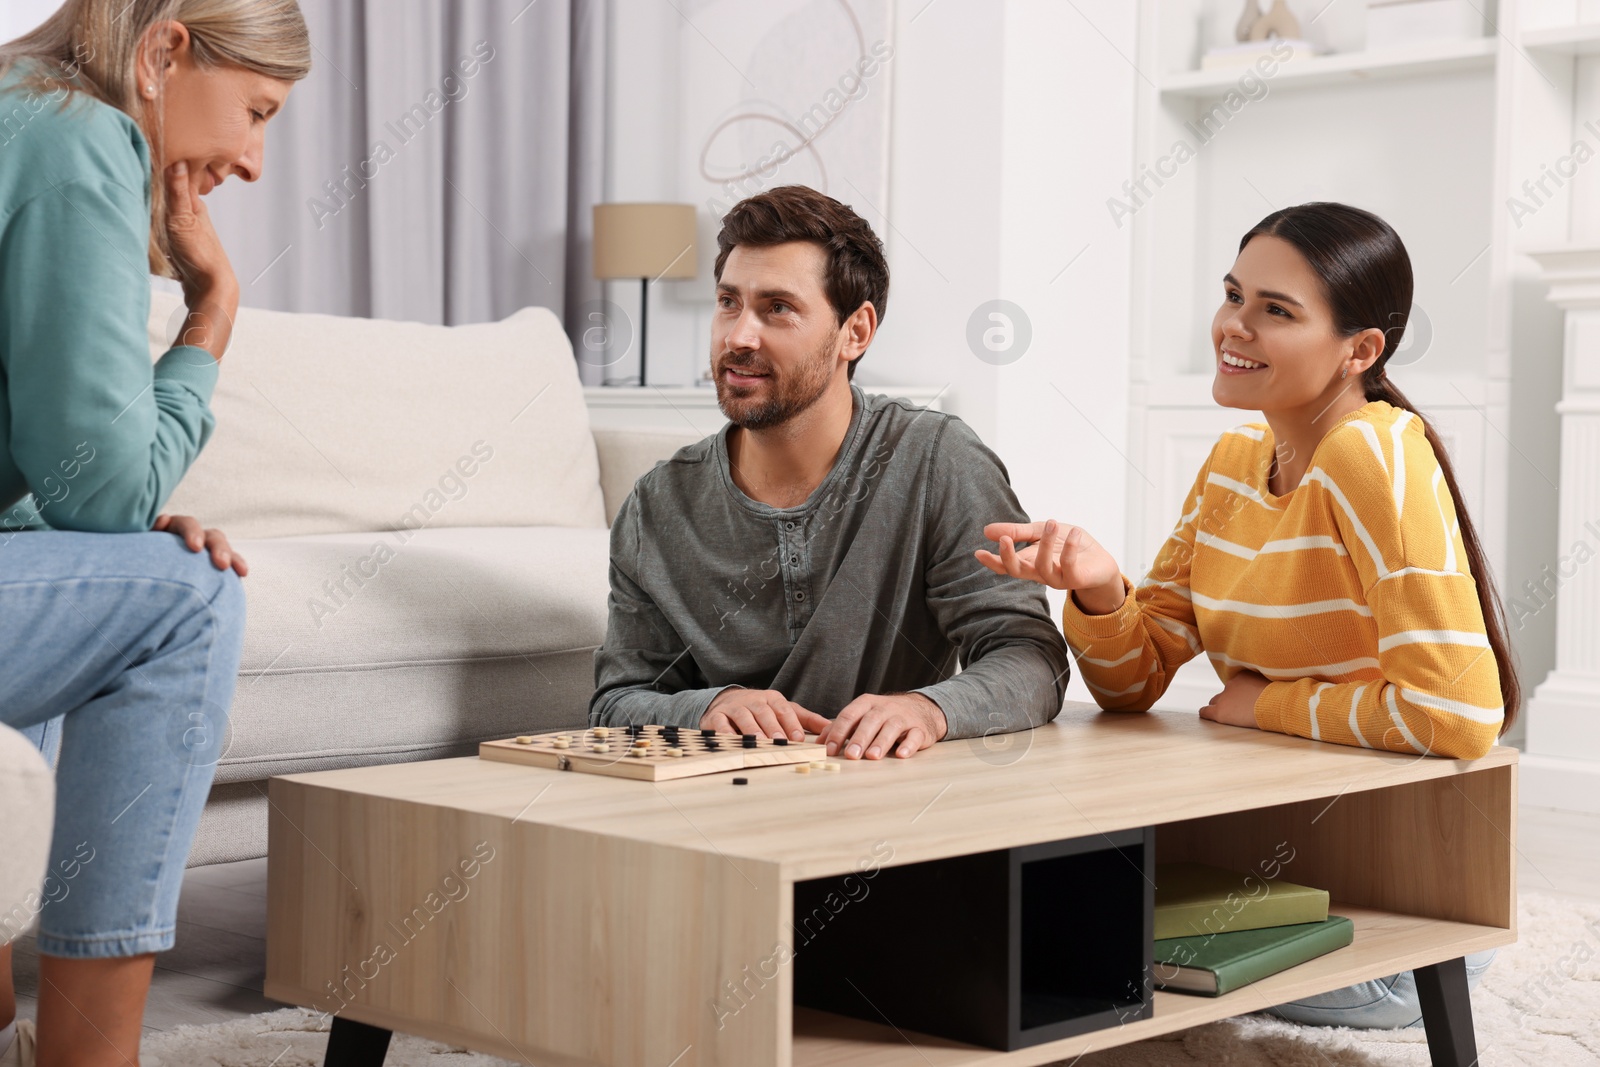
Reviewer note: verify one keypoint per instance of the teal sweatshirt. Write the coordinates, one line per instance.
(88, 427)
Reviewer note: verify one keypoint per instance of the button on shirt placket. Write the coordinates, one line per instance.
(796, 579)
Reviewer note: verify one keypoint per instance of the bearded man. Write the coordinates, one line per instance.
(811, 568)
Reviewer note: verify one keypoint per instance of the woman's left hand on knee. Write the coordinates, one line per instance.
(199, 539)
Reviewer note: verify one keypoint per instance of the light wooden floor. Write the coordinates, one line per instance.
(214, 974)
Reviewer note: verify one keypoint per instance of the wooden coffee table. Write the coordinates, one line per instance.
(562, 918)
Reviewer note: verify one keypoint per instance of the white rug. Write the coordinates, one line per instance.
(1538, 1005)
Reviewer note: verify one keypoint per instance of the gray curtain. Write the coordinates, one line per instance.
(438, 165)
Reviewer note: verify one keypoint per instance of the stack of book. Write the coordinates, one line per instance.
(1217, 930)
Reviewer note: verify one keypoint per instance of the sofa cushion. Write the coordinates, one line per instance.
(329, 425)
(381, 647)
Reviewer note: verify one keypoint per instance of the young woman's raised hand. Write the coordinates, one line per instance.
(1060, 556)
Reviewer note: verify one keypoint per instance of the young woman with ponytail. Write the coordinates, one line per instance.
(1324, 562)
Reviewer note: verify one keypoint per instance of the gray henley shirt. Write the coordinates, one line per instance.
(870, 586)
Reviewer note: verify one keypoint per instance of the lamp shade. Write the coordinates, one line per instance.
(644, 241)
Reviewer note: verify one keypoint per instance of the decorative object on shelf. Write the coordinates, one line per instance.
(1397, 23)
(1247, 20)
(1278, 22)
(648, 242)
(1260, 36)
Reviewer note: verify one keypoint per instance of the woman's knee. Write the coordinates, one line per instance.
(195, 578)
(224, 618)
(201, 603)
(228, 603)
(105, 601)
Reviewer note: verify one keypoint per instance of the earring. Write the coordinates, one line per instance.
(150, 90)
(1344, 374)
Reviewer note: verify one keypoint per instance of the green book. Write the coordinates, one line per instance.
(1195, 899)
(1214, 964)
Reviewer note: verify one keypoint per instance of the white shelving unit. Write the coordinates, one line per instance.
(1577, 39)
(1414, 134)
(1550, 108)
(1422, 61)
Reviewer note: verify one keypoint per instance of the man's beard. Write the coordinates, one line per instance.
(787, 396)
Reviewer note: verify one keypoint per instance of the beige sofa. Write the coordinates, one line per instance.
(28, 798)
(424, 512)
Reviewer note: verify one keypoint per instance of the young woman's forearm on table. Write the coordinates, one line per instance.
(1128, 657)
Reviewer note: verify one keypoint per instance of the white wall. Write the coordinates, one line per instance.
(1068, 121)
(942, 231)
(944, 209)
(19, 16)
(1012, 122)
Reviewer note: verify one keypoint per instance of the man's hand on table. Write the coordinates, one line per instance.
(766, 712)
(871, 727)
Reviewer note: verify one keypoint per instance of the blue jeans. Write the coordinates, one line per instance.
(123, 650)
(1383, 1004)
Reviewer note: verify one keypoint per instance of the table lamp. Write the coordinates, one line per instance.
(648, 242)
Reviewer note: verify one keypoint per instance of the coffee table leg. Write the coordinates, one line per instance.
(353, 1044)
(1447, 1013)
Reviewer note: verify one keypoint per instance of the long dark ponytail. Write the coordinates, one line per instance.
(1366, 277)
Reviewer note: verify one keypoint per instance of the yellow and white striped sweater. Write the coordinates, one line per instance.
(1351, 594)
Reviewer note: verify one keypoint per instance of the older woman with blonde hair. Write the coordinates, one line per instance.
(116, 117)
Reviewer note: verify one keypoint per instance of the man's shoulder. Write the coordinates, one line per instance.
(887, 405)
(941, 436)
(684, 470)
(907, 420)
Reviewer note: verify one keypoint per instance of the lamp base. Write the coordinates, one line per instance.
(644, 328)
(640, 380)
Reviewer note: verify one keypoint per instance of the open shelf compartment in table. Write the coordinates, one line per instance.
(1384, 943)
(1423, 869)
(1046, 941)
